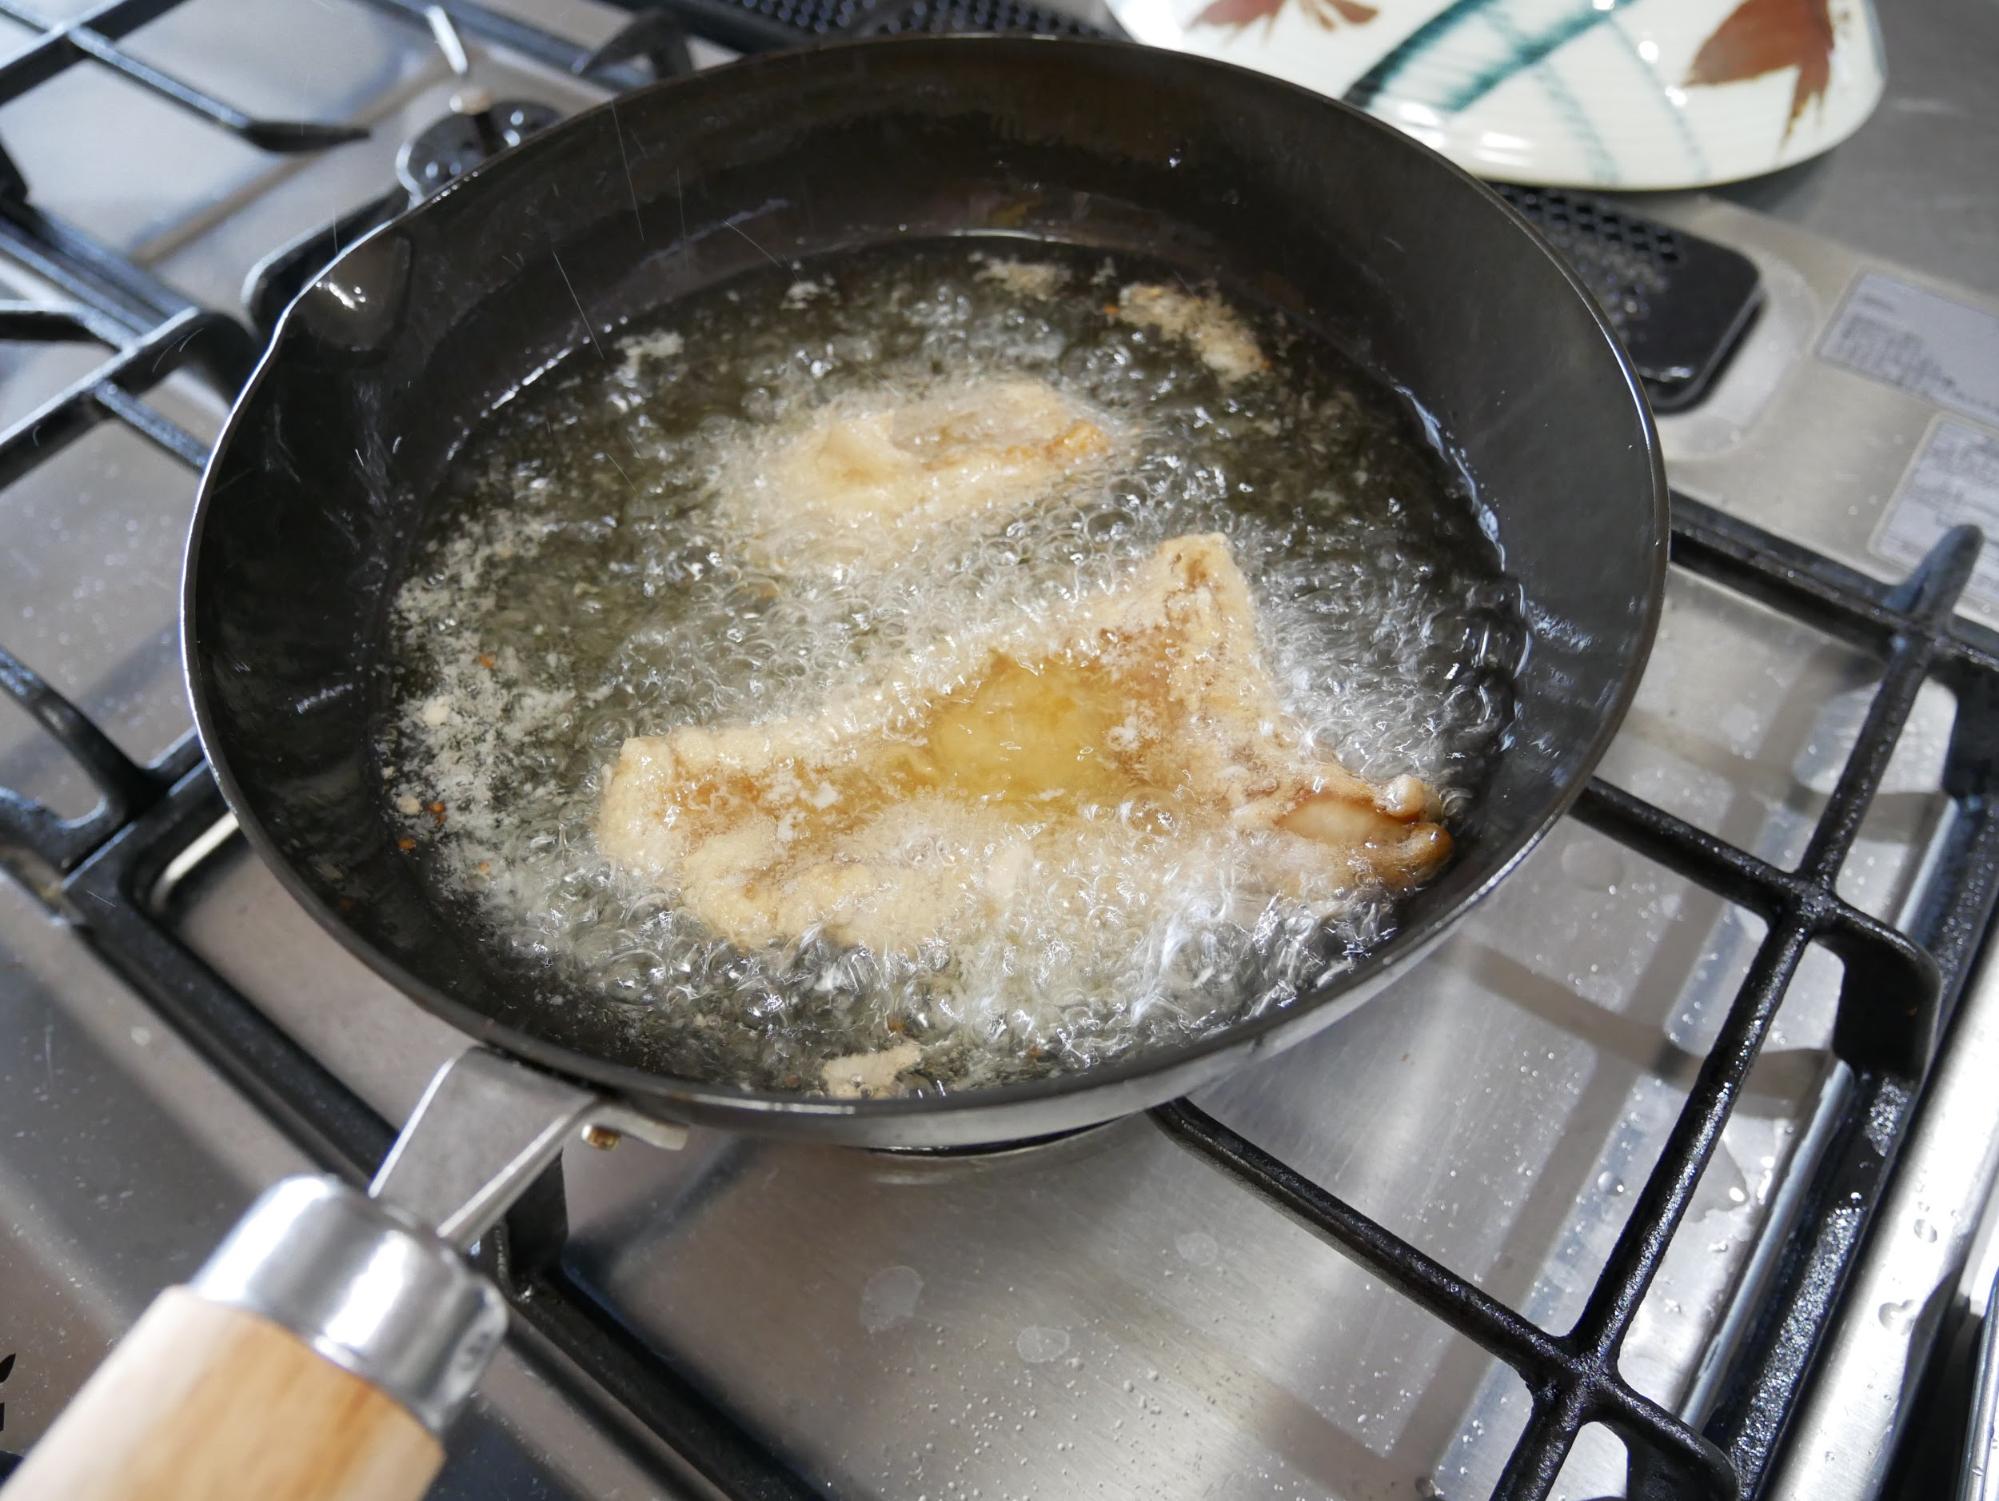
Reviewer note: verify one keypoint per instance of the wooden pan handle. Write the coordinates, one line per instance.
(207, 1403)
(315, 1357)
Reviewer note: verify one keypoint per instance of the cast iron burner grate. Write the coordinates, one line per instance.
(106, 874)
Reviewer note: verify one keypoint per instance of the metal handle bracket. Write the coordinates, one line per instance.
(483, 1131)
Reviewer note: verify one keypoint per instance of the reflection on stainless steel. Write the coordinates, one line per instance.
(1099, 1312)
(1497, 1107)
(1098, 1316)
(1981, 1450)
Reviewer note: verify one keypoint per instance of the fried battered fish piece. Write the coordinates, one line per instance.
(912, 811)
(875, 473)
(1214, 330)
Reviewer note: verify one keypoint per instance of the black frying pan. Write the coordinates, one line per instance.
(322, 1349)
(320, 481)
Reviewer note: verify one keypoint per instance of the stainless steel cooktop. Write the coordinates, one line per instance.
(1105, 1316)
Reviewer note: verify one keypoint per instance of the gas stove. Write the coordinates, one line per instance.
(1679, 1142)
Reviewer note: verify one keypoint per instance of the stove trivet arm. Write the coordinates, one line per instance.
(27, 828)
(323, 1349)
(94, 37)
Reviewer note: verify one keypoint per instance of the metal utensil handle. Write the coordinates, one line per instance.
(202, 1401)
(322, 1350)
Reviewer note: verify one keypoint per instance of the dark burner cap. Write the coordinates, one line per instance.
(464, 138)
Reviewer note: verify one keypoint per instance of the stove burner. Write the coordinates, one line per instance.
(473, 131)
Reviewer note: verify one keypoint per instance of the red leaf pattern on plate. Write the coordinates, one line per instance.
(1764, 36)
(1238, 13)
(1241, 13)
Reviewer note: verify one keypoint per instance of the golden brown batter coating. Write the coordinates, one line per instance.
(911, 810)
(873, 475)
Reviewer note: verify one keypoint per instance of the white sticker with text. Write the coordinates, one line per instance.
(1929, 345)
(1954, 480)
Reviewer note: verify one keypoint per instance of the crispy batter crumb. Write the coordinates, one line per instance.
(860, 1076)
(1222, 340)
(1038, 279)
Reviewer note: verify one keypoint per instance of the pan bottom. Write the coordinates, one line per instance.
(983, 1149)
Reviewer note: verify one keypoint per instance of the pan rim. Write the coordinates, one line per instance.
(1156, 1075)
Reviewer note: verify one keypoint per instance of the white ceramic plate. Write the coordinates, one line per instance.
(1582, 93)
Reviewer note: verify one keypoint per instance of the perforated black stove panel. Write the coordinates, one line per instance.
(974, 15)
(1679, 303)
